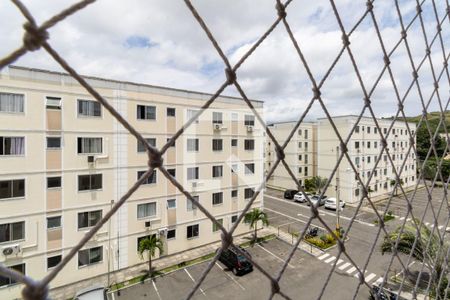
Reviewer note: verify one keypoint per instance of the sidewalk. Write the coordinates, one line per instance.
(68, 291)
(288, 238)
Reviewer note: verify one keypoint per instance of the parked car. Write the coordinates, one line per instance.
(299, 197)
(317, 200)
(289, 194)
(95, 292)
(330, 203)
(235, 261)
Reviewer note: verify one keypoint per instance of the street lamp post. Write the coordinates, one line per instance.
(338, 203)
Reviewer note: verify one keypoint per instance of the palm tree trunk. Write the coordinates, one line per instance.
(149, 264)
(256, 231)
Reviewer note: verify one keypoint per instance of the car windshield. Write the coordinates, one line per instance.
(241, 258)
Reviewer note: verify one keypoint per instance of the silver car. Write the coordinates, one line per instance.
(330, 203)
(299, 197)
(317, 200)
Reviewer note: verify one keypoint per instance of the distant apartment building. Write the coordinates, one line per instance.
(300, 154)
(364, 147)
(65, 160)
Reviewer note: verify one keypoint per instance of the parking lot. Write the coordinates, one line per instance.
(305, 275)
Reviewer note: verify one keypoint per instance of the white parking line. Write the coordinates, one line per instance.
(370, 277)
(379, 280)
(274, 255)
(426, 223)
(440, 227)
(193, 280)
(287, 216)
(330, 259)
(351, 270)
(402, 218)
(340, 261)
(344, 266)
(231, 277)
(324, 256)
(156, 289)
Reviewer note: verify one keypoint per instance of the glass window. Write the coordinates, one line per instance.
(150, 179)
(171, 234)
(12, 145)
(250, 168)
(217, 144)
(12, 188)
(217, 118)
(90, 256)
(54, 142)
(12, 231)
(214, 225)
(171, 203)
(234, 193)
(89, 108)
(217, 171)
(234, 218)
(356, 145)
(248, 193)
(89, 182)
(146, 210)
(357, 129)
(171, 112)
(249, 120)
(172, 172)
(11, 103)
(53, 222)
(249, 144)
(306, 136)
(5, 281)
(191, 113)
(89, 145)
(192, 144)
(234, 142)
(217, 198)
(53, 261)
(53, 103)
(54, 182)
(192, 231)
(146, 112)
(141, 146)
(192, 173)
(191, 205)
(89, 218)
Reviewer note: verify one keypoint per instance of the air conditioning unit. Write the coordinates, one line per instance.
(194, 184)
(162, 232)
(90, 159)
(249, 128)
(11, 250)
(358, 151)
(148, 224)
(217, 126)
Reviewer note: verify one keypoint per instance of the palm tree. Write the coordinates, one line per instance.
(319, 182)
(150, 244)
(428, 250)
(393, 182)
(253, 217)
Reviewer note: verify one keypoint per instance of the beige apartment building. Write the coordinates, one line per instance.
(300, 154)
(65, 160)
(364, 147)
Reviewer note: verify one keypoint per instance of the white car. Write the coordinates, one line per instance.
(299, 197)
(95, 292)
(330, 203)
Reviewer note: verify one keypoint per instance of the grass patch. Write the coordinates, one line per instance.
(389, 216)
(323, 241)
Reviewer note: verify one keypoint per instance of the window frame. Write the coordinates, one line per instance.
(146, 112)
(53, 256)
(90, 263)
(12, 282)
(216, 143)
(22, 105)
(217, 198)
(146, 217)
(53, 148)
(12, 236)
(249, 169)
(90, 182)
(3, 146)
(152, 179)
(195, 231)
(217, 169)
(12, 184)
(249, 144)
(89, 219)
(140, 146)
(54, 227)
(196, 171)
(93, 108)
(80, 146)
(171, 109)
(196, 145)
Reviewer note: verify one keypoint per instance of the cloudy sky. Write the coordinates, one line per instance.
(160, 43)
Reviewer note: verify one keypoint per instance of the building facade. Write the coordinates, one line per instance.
(65, 160)
(364, 149)
(300, 154)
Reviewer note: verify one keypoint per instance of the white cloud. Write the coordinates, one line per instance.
(94, 42)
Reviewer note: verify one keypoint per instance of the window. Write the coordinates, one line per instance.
(234, 193)
(171, 234)
(191, 205)
(192, 145)
(12, 145)
(217, 118)
(171, 203)
(249, 144)
(300, 169)
(217, 198)
(89, 182)
(217, 171)
(141, 146)
(12, 231)
(234, 218)
(368, 159)
(248, 193)
(234, 142)
(300, 157)
(357, 192)
(214, 225)
(306, 171)
(384, 130)
(299, 144)
(146, 210)
(171, 112)
(375, 130)
(375, 145)
(250, 168)
(5, 281)
(53, 103)
(385, 172)
(54, 182)
(368, 129)
(368, 143)
(90, 256)
(89, 108)
(54, 142)
(249, 120)
(151, 179)
(53, 222)
(356, 145)
(306, 145)
(357, 160)
(192, 173)
(11, 103)
(357, 129)
(190, 114)
(306, 158)
(12, 188)
(53, 261)
(89, 145)
(299, 132)
(89, 218)
(306, 136)
(146, 112)
(192, 231)
(234, 168)
(172, 172)
(217, 144)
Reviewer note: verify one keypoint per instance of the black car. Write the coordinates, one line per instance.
(289, 194)
(235, 261)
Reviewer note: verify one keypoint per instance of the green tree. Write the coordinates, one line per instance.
(315, 183)
(423, 139)
(150, 244)
(252, 218)
(428, 250)
(393, 182)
